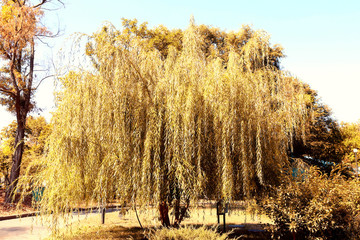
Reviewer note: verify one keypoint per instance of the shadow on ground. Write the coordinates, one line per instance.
(244, 231)
(115, 232)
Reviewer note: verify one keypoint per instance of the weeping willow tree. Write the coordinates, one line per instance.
(149, 128)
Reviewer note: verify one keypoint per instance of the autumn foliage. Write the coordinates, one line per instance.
(313, 205)
(171, 118)
(19, 25)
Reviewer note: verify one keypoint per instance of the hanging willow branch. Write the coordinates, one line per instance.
(156, 128)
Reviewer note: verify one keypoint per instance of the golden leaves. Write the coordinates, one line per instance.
(19, 24)
(7, 13)
(144, 126)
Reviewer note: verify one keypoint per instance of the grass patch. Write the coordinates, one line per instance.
(103, 232)
(187, 233)
(126, 226)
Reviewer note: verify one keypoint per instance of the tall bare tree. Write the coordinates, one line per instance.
(20, 29)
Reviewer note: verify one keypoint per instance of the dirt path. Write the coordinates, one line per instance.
(25, 228)
(31, 227)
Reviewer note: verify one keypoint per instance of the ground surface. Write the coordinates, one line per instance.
(123, 224)
(33, 227)
(25, 228)
(11, 209)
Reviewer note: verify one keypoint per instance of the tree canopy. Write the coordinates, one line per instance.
(18, 29)
(214, 42)
(153, 124)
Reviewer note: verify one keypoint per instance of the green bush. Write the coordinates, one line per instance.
(315, 206)
(186, 233)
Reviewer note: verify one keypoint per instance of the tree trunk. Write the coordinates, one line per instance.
(180, 212)
(22, 107)
(164, 214)
(16, 160)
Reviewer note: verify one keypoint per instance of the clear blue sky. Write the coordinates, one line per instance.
(321, 38)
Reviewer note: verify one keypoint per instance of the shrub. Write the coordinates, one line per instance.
(186, 233)
(315, 206)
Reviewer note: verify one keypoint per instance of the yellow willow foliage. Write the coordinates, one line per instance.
(141, 127)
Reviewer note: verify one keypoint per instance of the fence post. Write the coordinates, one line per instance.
(103, 210)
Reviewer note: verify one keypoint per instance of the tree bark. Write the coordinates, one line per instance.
(180, 212)
(16, 161)
(164, 214)
(22, 108)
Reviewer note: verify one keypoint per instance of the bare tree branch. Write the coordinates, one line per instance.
(40, 4)
(7, 91)
(42, 81)
(45, 1)
(4, 52)
(12, 73)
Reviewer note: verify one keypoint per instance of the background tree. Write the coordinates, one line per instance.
(7, 139)
(214, 42)
(323, 138)
(37, 131)
(351, 139)
(148, 127)
(19, 29)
